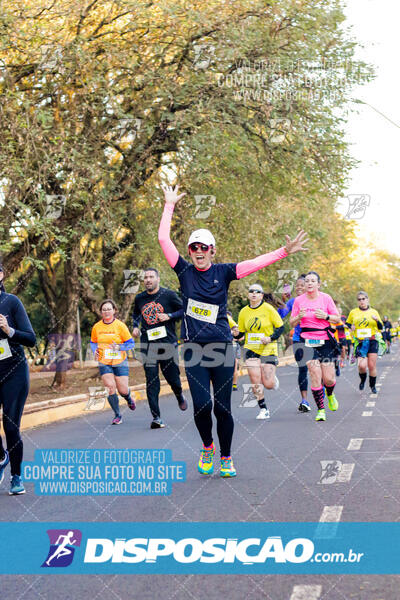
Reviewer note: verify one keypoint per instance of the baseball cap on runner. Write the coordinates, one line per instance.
(202, 236)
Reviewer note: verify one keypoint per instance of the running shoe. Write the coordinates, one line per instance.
(182, 402)
(131, 403)
(332, 402)
(206, 464)
(263, 414)
(337, 370)
(227, 468)
(3, 465)
(362, 385)
(116, 421)
(276, 384)
(157, 423)
(373, 390)
(321, 416)
(16, 486)
(304, 406)
(234, 387)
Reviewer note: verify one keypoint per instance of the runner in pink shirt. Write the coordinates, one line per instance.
(315, 311)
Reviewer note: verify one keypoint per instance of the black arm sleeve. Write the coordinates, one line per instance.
(380, 325)
(136, 315)
(277, 332)
(176, 302)
(24, 333)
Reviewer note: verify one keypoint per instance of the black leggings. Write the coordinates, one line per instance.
(302, 378)
(14, 390)
(170, 370)
(201, 371)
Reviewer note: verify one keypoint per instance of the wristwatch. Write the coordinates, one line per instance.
(169, 315)
(327, 317)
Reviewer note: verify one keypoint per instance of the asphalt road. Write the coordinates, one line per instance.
(280, 478)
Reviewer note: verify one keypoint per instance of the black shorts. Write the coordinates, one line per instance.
(326, 353)
(386, 336)
(265, 360)
(343, 342)
(373, 348)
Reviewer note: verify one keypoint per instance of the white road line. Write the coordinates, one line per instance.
(306, 592)
(328, 523)
(345, 473)
(355, 444)
(331, 514)
(367, 413)
(370, 404)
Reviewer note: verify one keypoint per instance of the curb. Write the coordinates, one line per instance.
(69, 407)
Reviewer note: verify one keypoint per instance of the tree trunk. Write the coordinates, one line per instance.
(66, 343)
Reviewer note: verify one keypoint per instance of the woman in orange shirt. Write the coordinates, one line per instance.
(110, 340)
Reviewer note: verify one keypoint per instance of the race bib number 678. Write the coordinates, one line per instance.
(202, 311)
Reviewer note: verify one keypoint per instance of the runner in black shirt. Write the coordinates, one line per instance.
(387, 326)
(15, 332)
(156, 310)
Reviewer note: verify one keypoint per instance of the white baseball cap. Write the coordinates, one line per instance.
(202, 236)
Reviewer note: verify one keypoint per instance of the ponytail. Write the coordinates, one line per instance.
(273, 300)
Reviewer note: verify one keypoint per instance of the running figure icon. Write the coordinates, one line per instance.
(63, 543)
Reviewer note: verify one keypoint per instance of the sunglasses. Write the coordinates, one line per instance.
(362, 299)
(255, 292)
(203, 247)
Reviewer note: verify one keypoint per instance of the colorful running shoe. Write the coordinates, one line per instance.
(234, 387)
(157, 423)
(131, 403)
(16, 486)
(3, 465)
(263, 414)
(332, 402)
(206, 465)
(373, 390)
(321, 416)
(304, 406)
(227, 468)
(116, 421)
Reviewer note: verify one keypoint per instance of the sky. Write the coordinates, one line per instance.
(374, 140)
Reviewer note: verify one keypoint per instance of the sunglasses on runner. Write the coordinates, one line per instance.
(362, 299)
(203, 247)
(255, 292)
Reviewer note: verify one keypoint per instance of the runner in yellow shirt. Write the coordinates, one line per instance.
(365, 322)
(262, 326)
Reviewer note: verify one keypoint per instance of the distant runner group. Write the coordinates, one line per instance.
(323, 340)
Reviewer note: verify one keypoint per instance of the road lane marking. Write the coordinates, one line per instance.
(331, 514)
(328, 522)
(306, 592)
(345, 473)
(370, 404)
(367, 413)
(355, 444)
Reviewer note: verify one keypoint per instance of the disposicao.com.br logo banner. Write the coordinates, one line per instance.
(286, 548)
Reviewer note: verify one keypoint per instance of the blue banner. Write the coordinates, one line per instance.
(103, 472)
(192, 548)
